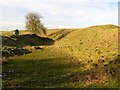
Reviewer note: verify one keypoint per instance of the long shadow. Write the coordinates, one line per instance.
(7, 41)
(16, 44)
(60, 34)
(9, 52)
(26, 40)
(47, 72)
(37, 73)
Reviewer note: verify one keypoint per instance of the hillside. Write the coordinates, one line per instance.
(93, 42)
(95, 46)
(86, 57)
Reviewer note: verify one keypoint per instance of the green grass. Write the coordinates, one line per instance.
(91, 43)
(86, 57)
(57, 69)
(9, 33)
(38, 70)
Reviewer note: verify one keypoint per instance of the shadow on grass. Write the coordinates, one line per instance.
(13, 45)
(55, 72)
(38, 73)
(12, 51)
(60, 34)
(7, 41)
(26, 40)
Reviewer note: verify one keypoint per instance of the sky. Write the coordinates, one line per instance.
(59, 13)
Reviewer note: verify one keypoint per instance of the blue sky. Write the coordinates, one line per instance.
(59, 13)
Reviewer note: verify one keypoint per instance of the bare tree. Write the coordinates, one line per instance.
(33, 23)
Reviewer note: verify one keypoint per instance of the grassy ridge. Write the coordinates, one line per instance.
(92, 43)
(86, 57)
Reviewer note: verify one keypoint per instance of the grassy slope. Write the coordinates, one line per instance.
(71, 62)
(92, 43)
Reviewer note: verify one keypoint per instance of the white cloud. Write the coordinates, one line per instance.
(67, 13)
(10, 24)
(89, 1)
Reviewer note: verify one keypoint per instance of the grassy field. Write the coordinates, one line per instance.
(86, 57)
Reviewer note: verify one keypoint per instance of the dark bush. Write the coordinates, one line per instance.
(8, 51)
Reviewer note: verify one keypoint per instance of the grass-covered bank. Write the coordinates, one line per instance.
(86, 57)
(43, 69)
